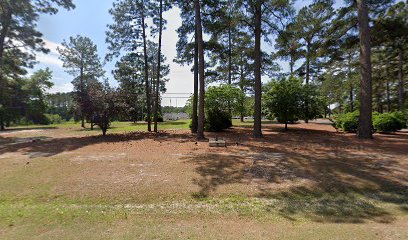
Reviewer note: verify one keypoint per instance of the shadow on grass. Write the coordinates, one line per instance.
(17, 129)
(53, 146)
(169, 123)
(323, 176)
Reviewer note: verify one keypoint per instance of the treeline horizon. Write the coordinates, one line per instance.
(352, 57)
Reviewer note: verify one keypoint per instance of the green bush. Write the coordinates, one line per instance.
(53, 119)
(388, 122)
(217, 120)
(402, 118)
(348, 122)
(24, 121)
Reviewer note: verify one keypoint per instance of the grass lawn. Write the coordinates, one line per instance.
(310, 182)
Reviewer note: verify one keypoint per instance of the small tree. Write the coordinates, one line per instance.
(107, 107)
(220, 102)
(283, 100)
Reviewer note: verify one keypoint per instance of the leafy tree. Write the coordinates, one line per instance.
(220, 102)
(283, 100)
(19, 40)
(60, 104)
(224, 98)
(108, 105)
(80, 59)
(310, 26)
(36, 85)
(129, 73)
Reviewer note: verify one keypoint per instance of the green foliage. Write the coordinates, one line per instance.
(80, 59)
(60, 104)
(220, 103)
(389, 122)
(108, 105)
(217, 120)
(54, 119)
(283, 100)
(314, 101)
(348, 122)
(383, 122)
(402, 117)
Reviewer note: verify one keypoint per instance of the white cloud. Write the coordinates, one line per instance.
(65, 87)
(49, 59)
(52, 46)
(52, 58)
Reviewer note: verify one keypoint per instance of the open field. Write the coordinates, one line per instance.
(310, 182)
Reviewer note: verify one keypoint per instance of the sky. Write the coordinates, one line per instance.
(90, 18)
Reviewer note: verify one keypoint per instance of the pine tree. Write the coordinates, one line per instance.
(128, 34)
(80, 59)
(19, 40)
(262, 19)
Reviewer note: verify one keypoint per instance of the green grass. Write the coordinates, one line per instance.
(184, 219)
(121, 127)
(116, 127)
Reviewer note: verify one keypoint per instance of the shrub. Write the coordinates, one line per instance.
(387, 122)
(217, 120)
(53, 118)
(24, 121)
(402, 118)
(347, 122)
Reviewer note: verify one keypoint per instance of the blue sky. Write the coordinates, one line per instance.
(90, 18)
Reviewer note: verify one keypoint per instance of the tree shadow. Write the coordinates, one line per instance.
(18, 129)
(169, 123)
(321, 175)
(46, 147)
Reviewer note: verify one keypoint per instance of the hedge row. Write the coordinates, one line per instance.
(382, 122)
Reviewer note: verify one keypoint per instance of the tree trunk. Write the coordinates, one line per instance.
(3, 33)
(388, 96)
(351, 98)
(201, 114)
(82, 91)
(365, 120)
(257, 71)
(146, 72)
(229, 62)
(195, 94)
(378, 100)
(2, 123)
(229, 54)
(307, 81)
(156, 106)
(291, 65)
(242, 87)
(401, 97)
(351, 84)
